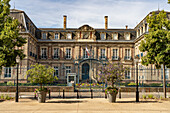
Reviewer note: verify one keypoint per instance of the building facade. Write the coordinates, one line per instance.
(67, 49)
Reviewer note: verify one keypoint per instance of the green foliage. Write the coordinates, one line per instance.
(144, 96)
(41, 75)
(2, 96)
(111, 90)
(9, 37)
(150, 96)
(132, 84)
(112, 72)
(9, 83)
(157, 42)
(168, 1)
(6, 97)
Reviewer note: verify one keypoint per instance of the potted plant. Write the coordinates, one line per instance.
(111, 73)
(42, 75)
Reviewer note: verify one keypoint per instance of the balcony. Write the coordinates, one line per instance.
(68, 57)
(43, 57)
(102, 58)
(127, 58)
(56, 57)
(115, 58)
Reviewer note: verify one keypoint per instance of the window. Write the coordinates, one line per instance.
(103, 53)
(85, 55)
(115, 53)
(56, 53)
(127, 74)
(115, 36)
(102, 36)
(56, 73)
(68, 70)
(127, 36)
(7, 72)
(68, 35)
(43, 53)
(127, 54)
(68, 53)
(44, 36)
(56, 36)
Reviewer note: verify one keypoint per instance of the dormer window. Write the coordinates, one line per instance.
(127, 36)
(56, 36)
(115, 36)
(44, 35)
(103, 36)
(68, 35)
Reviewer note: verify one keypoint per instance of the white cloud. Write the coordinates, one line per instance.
(49, 13)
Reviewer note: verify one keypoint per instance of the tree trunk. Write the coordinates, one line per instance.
(164, 81)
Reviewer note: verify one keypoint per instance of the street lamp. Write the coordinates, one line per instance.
(137, 92)
(17, 61)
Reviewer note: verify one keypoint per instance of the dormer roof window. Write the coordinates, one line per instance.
(127, 36)
(44, 35)
(68, 35)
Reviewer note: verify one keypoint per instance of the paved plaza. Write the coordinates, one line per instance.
(84, 105)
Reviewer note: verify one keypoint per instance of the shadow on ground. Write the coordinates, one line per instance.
(137, 102)
(65, 101)
(2, 100)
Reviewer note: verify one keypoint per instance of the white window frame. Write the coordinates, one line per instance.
(68, 70)
(68, 53)
(69, 36)
(7, 72)
(127, 36)
(115, 36)
(56, 53)
(56, 36)
(85, 55)
(128, 72)
(56, 71)
(44, 35)
(42, 53)
(103, 53)
(115, 53)
(103, 34)
(127, 54)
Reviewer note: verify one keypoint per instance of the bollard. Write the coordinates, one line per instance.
(77, 94)
(119, 93)
(35, 96)
(49, 94)
(59, 93)
(91, 93)
(105, 95)
(63, 94)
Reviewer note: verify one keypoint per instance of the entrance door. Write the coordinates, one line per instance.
(85, 71)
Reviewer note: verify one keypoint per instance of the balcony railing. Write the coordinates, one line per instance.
(68, 57)
(55, 57)
(127, 58)
(115, 58)
(102, 58)
(43, 57)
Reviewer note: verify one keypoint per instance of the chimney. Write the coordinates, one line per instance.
(126, 26)
(106, 22)
(65, 21)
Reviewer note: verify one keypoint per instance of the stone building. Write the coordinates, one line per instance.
(67, 49)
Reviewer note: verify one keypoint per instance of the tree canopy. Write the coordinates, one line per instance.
(41, 74)
(10, 40)
(157, 42)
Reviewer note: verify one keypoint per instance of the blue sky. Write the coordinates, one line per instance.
(49, 13)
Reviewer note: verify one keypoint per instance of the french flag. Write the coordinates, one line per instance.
(87, 52)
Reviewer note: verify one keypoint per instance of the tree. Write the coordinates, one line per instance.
(112, 72)
(41, 75)
(168, 1)
(157, 43)
(9, 37)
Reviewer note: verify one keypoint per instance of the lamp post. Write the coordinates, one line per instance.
(17, 61)
(137, 91)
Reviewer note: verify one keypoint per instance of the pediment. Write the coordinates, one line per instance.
(86, 28)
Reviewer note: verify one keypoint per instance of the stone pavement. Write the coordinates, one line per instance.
(96, 105)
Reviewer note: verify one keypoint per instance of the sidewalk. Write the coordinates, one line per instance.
(96, 105)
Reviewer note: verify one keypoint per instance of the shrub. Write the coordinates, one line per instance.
(2, 96)
(150, 96)
(10, 83)
(144, 96)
